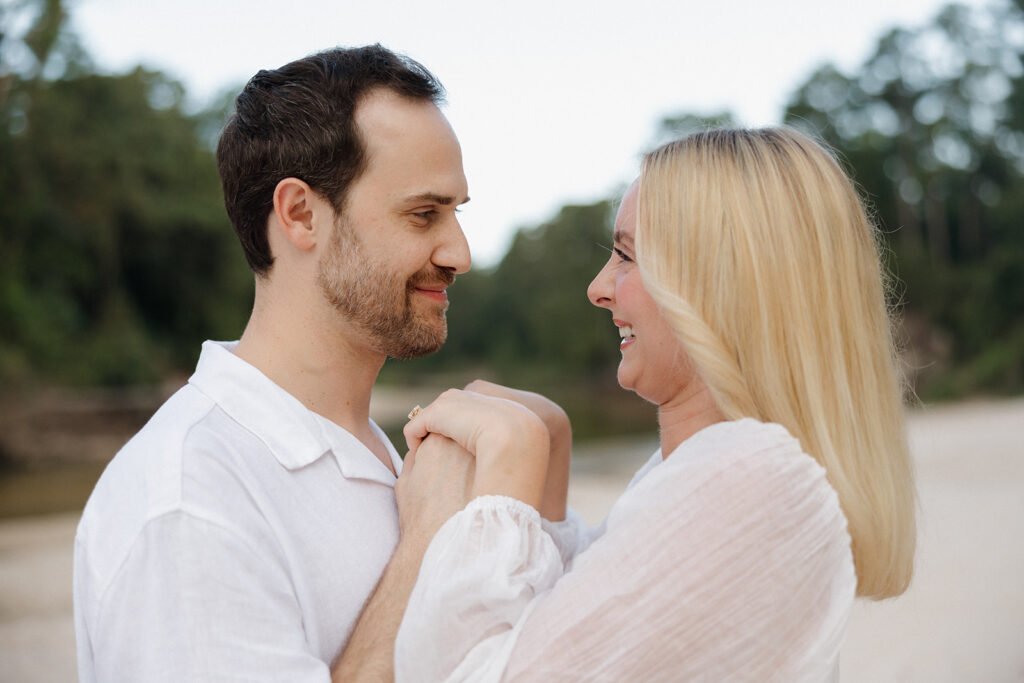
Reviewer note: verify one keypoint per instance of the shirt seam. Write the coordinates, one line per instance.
(180, 508)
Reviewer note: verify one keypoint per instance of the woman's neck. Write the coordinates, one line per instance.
(686, 414)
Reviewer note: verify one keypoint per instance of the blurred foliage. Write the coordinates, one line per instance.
(932, 128)
(117, 258)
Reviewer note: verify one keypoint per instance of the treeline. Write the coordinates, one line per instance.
(932, 126)
(117, 258)
(116, 254)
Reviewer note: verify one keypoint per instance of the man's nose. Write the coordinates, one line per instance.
(453, 252)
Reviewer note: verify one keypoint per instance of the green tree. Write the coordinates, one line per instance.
(932, 126)
(118, 258)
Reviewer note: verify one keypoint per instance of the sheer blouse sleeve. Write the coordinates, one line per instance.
(571, 536)
(729, 561)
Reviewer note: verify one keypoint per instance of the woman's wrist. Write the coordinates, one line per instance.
(556, 483)
(513, 462)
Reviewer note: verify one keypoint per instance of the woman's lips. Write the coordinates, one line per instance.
(626, 332)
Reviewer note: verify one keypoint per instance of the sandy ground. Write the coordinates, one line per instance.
(961, 621)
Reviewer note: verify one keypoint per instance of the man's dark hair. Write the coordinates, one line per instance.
(299, 122)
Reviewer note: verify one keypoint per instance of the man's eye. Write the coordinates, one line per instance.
(425, 215)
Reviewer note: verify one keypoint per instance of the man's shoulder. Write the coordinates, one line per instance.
(171, 423)
(149, 476)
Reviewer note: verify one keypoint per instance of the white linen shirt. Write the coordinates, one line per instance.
(728, 561)
(235, 537)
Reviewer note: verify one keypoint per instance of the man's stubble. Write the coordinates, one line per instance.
(378, 301)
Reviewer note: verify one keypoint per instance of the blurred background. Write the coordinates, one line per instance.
(117, 260)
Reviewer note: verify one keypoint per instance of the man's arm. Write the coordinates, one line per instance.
(369, 655)
(435, 484)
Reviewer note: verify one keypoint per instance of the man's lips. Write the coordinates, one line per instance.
(435, 293)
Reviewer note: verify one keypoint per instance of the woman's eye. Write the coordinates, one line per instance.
(622, 255)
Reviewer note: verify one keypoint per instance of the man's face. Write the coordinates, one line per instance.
(397, 244)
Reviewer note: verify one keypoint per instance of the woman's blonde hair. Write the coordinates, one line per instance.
(759, 252)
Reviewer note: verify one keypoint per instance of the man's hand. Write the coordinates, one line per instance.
(435, 483)
(556, 485)
(509, 441)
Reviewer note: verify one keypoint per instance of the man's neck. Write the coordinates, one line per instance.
(321, 364)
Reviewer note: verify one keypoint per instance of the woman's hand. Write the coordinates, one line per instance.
(510, 442)
(556, 483)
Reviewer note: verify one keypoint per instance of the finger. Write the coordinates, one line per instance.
(485, 388)
(408, 462)
(440, 446)
(481, 386)
(414, 435)
(436, 417)
(416, 429)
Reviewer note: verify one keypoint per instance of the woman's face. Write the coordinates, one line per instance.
(653, 363)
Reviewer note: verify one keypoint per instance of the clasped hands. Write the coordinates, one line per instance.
(483, 440)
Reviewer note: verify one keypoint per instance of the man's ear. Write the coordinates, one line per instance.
(295, 208)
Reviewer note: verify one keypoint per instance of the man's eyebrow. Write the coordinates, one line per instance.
(434, 198)
(622, 237)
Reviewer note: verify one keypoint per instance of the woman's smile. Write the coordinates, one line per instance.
(625, 332)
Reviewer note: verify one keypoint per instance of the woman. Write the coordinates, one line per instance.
(746, 286)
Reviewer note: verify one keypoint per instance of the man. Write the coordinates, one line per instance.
(239, 534)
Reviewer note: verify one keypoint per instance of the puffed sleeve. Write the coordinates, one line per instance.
(479, 577)
(731, 561)
(571, 536)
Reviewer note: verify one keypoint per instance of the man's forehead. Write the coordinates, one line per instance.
(411, 155)
(383, 115)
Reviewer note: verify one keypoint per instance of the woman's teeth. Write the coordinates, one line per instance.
(626, 331)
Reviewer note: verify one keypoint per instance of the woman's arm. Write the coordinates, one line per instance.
(556, 480)
(728, 562)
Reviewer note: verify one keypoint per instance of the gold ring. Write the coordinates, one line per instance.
(414, 412)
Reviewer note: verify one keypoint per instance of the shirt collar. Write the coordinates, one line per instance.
(294, 434)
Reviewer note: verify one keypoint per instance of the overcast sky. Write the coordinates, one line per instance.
(553, 101)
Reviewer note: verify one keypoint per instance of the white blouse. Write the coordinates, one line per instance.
(728, 561)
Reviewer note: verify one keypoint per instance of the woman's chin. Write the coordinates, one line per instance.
(629, 384)
(655, 395)
(625, 381)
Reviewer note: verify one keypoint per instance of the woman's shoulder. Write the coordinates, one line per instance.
(746, 443)
(743, 435)
(747, 464)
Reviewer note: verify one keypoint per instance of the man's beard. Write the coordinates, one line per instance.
(378, 302)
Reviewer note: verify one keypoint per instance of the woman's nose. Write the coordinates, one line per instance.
(600, 290)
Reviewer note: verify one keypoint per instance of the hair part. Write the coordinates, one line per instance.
(298, 121)
(758, 250)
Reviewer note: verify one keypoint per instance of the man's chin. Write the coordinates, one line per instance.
(411, 352)
(422, 344)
